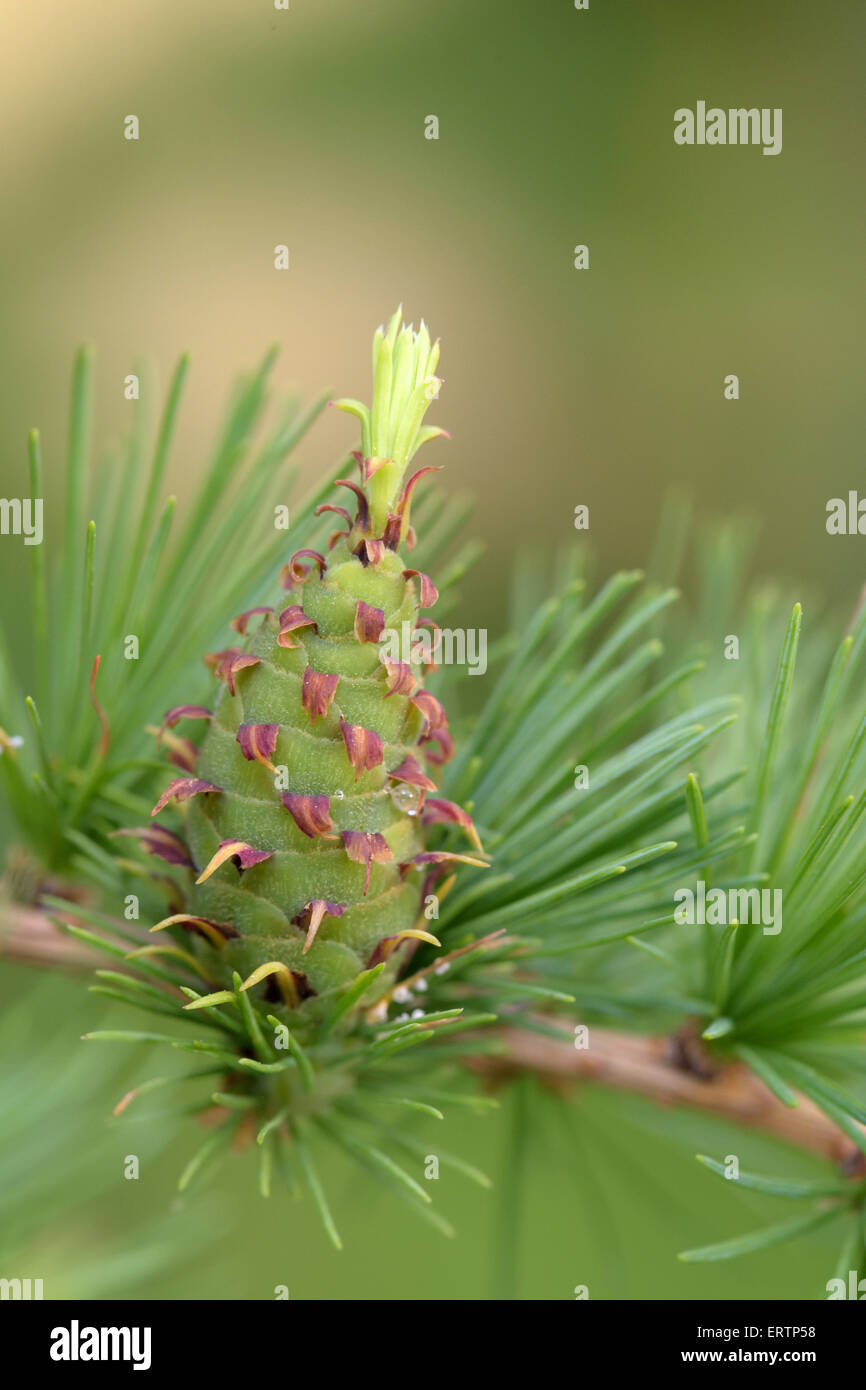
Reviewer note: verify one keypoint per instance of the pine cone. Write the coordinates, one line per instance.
(306, 804)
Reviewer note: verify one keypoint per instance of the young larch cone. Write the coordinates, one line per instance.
(305, 808)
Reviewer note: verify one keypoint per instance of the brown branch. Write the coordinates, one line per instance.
(29, 936)
(650, 1067)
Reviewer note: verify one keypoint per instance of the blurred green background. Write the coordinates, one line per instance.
(603, 386)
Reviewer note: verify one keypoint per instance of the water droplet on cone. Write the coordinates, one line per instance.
(406, 798)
